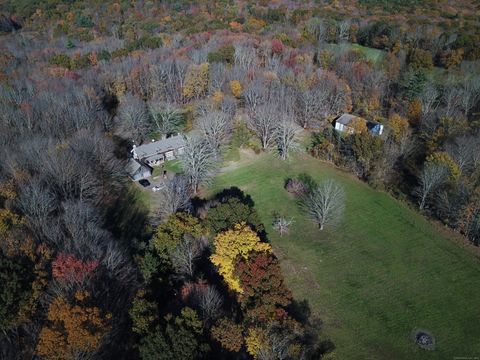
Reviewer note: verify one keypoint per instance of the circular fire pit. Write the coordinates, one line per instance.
(424, 339)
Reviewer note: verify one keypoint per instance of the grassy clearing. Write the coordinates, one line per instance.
(169, 165)
(382, 273)
(141, 196)
(173, 166)
(374, 55)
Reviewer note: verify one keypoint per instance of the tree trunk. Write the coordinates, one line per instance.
(422, 203)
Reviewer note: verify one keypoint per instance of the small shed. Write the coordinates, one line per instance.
(344, 124)
(137, 170)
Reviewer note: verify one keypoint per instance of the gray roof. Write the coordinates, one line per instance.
(345, 119)
(133, 166)
(160, 146)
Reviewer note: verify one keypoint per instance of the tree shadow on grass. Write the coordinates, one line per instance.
(127, 218)
(317, 345)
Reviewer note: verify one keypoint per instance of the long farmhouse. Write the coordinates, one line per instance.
(155, 153)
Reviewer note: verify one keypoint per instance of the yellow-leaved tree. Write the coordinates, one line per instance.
(444, 159)
(230, 244)
(236, 88)
(398, 126)
(358, 125)
(254, 340)
(217, 98)
(196, 81)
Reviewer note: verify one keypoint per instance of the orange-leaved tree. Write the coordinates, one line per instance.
(72, 328)
(228, 334)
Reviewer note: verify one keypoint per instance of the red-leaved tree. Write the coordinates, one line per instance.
(67, 267)
(264, 293)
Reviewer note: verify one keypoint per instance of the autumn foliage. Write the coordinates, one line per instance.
(228, 334)
(236, 88)
(238, 242)
(68, 268)
(196, 81)
(264, 294)
(398, 126)
(72, 328)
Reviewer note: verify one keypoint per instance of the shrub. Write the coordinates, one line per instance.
(451, 58)
(83, 21)
(224, 54)
(81, 62)
(119, 53)
(60, 60)
(277, 47)
(145, 42)
(296, 187)
(104, 55)
(420, 59)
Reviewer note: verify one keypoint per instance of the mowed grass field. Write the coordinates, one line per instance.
(382, 273)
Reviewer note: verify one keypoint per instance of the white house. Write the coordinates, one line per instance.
(156, 152)
(343, 124)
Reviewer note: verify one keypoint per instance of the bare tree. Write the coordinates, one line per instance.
(278, 344)
(286, 136)
(133, 119)
(245, 56)
(451, 99)
(429, 99)
(210, 302)
(167, 78)
(215, 127)
(198, 161)
(37, 203)
(175, 196)
(282, 224)
(325, 203)
(324, 100)
(465, 150)
(217, 75)
(470, 93)
(166, 117)
(229, 106)
(309, 102)
(431, 177)
(255, 94)
(185, 255)
(343, 30)
(318, 28)
(263, 122)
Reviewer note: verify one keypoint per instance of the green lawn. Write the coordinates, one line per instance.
(169, 165)
(382, 273)
(374, 55)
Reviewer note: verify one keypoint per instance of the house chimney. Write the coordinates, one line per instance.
(135, 156)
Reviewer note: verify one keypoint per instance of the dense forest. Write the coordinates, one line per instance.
(88, 272)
